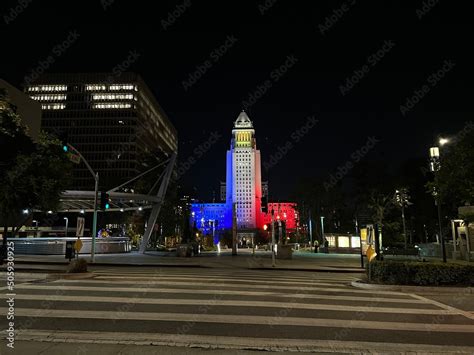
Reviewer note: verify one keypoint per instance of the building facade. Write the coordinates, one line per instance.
(243, 174)
(244, 188)
(117, 125)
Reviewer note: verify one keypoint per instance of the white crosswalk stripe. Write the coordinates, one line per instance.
(179, 306)
(150, 289)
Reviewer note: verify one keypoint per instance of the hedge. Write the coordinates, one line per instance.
(77, 265)
(421, 273)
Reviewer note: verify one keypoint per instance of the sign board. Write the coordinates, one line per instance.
(78, 245)
(80, 226)
(75, 158)
(371, 254)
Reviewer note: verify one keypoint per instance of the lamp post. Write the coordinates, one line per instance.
(36, 229)
(322, 229)
(67, 222)
(435, 166)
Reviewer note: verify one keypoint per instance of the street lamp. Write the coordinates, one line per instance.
(443, 141)
(435, 166)
(67, 222)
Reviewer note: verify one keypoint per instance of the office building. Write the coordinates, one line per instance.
(117, 125)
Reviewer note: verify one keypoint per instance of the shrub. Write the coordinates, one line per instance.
(421, 273)
(77, 265)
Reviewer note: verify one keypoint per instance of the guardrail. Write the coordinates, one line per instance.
(57, 246)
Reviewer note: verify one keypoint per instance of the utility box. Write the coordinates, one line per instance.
(70, 252)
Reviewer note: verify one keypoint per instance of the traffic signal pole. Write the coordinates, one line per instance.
(94, 220)
(273, 240)
(95, 175)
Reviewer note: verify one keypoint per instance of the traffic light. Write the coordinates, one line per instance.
(104, 201)
(264, 204)
(64, 138)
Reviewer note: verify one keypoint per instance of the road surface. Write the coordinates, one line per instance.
(188, 310)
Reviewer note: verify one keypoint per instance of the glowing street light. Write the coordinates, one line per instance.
(435, 166)
(443, 141)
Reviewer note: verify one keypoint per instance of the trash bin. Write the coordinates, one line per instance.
(70, 251)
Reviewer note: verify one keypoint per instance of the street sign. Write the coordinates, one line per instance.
(80, 226)
(78, 245)
(75, 158)
(371, 254)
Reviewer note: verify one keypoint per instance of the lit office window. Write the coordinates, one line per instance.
(343, 242)
(53, 106)
(114, 105)
(331, 240)
(355, 242)
(112, 97)
(95, 87)
(38, 88)
(117, 87)
(49, 97)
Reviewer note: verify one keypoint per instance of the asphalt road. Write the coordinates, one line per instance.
(192, 310)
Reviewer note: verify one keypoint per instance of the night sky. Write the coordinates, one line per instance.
(237, 49)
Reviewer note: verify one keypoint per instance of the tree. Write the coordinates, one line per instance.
(33, 174)
(379, 205)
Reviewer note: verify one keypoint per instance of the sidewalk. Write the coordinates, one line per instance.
(245, 260)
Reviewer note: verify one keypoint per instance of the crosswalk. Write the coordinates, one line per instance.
(237, 309)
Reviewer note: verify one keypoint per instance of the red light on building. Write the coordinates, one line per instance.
(285, 209)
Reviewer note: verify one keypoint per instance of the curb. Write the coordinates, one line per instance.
(61, 263)
(406, 288)
(308, 270)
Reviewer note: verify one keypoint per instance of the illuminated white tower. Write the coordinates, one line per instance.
(243, 180)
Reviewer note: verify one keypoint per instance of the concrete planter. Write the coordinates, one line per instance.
(184, 250)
